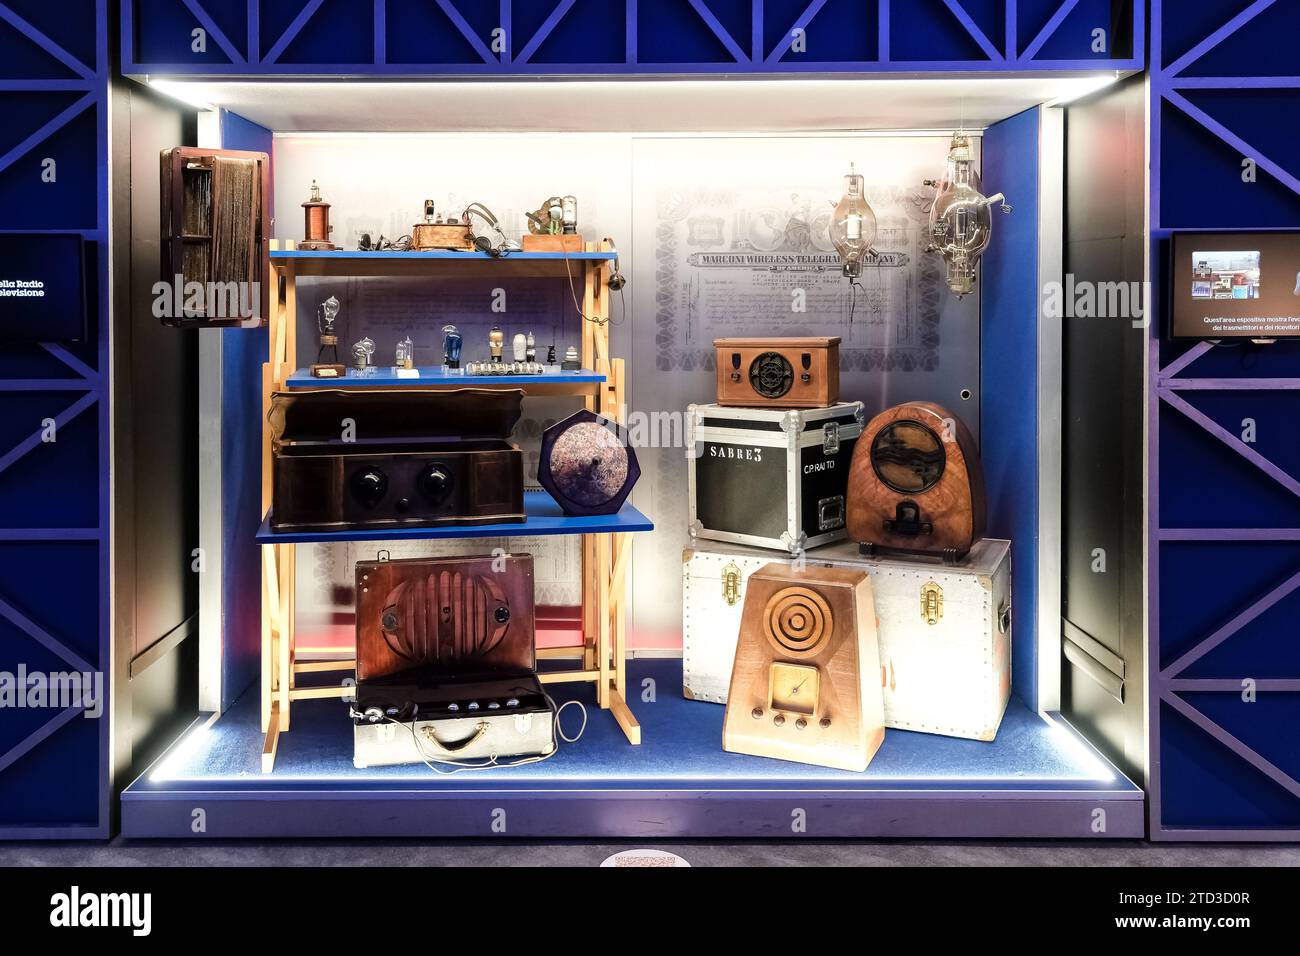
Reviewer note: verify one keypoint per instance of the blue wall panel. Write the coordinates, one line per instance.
(1009, 377)
(53, 102)
(603, 37)
(1223, 550)
(54, 495)
(243, 353)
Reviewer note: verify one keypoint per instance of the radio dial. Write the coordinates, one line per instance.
(436, 483)
(369, 486)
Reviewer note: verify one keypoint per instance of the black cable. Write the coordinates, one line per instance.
(853, 299)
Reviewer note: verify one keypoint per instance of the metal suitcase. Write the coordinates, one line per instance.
(950, 677)
(771, 478)
(403, 720)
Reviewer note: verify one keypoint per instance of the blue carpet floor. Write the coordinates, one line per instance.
(682, 748)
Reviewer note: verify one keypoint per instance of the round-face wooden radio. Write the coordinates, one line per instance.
(587, 465)
(916, 484)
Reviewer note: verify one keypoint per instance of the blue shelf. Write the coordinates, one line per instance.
(544, 517)
(451, 254)
(434, 375)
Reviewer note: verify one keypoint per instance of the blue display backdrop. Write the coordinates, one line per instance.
(606, 37)
(54, 435)
(1224, 488)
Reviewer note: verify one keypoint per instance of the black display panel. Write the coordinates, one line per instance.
(1235, 285)
(42, 288)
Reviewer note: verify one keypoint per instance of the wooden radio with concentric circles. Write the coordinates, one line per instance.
(806, 682)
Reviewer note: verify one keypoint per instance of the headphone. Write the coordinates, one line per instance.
(616, 278)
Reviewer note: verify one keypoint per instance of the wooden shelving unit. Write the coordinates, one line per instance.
(606, 542)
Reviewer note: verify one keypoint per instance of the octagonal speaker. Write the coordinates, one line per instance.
(587, 465)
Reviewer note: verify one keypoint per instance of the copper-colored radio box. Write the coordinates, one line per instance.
(778, 372)
(916, 484)
(456, 236)
(455, 617)
(806, 683)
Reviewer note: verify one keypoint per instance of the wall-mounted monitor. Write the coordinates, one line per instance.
(1235, 285)
(42, 288)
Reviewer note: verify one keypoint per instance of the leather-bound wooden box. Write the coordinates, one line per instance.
(457, 616)
(778, 372)
(351, 459)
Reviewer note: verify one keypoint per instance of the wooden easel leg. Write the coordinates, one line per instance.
(589, 586)
(284, 664)
(272, 740)
(604, 648)
(267, 658)
(618, 707)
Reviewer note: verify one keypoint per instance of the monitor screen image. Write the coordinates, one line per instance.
(1236, 285)
(42, 298)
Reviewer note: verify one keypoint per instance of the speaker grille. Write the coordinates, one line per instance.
(771, 374)
(798, 621)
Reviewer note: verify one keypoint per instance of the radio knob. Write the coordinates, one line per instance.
(369, 486)
(825, 722)
(801, 723)
(779, 720)
(756, 713)
(436, 483)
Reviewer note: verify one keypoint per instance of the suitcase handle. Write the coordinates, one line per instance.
(430, 736)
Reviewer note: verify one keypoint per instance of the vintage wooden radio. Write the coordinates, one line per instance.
(945, 631)
(216, 227)
(806, 682)
(446, 662)
(360, 459)
(771, 477)
(778, 372)
(458, 614)
(438, 233)
(916, 484)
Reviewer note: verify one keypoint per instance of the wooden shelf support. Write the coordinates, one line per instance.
(600, 660)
